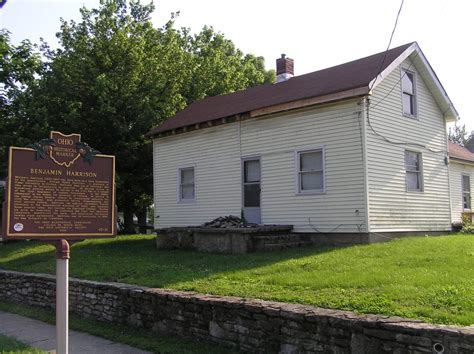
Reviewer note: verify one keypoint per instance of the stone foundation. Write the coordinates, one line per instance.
(266, 238)
(249, 325)
(225, 240)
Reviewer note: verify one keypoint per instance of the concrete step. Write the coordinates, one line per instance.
(280, 242)
(281, 238)
(287, 245)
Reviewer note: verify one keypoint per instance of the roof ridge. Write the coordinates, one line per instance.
(407, 45)
(342, 77)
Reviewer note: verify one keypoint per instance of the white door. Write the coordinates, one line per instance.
(251, 188)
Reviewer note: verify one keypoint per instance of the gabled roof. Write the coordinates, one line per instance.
(459, 152)
(351, 79)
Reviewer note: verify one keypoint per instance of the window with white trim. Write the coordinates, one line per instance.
(414, 177)
(186, 184)
(466, 192)
(310, 171)
(408, 93)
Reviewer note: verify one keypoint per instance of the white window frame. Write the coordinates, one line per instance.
(297, 154)
(420, 172)
(462, 192)
(415, 103)
(178, 187)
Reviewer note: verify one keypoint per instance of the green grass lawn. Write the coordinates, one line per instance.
(10, 346)
(428, 278)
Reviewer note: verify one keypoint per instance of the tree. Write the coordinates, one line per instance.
(20, 69)
(469, 144)
(218, 67)
(116, 76)
(458, 134)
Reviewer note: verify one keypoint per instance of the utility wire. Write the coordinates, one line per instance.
(389, 43)
(396, 84)
(383, 137)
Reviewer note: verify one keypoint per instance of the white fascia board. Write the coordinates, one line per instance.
(450, 113)
(392, 66)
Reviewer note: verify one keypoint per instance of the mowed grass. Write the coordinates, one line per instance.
(10, 346)
(428, 278)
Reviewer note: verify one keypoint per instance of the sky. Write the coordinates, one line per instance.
(315, 33)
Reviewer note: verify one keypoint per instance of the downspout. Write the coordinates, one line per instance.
(155, 196)
(449, 175)
(364, 108)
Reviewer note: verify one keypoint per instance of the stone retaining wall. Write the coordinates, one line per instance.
(248, 325)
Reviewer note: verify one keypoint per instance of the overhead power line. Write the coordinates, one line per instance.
(389, 43)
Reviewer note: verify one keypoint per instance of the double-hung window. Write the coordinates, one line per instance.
(186, 186)
(466, 192)
(413, 168)
(310, 171)
(408, 93)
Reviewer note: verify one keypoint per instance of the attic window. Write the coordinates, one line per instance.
(408, 93)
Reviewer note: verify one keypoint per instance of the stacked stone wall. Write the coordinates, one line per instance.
(248, 325)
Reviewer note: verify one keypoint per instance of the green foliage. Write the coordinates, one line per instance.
(115, 76)
(10, 345)
(458, 134)
(218, 67)
(429, 278)
(467, 226)
(468, 229)
(20, 69)
(151, 214)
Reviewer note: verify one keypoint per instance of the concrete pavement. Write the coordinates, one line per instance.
(43, 336)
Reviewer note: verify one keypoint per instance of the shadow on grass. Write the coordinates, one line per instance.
(135, 337)
(135, 260)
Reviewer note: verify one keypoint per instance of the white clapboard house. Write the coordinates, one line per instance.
(356, 148)
(461, 182)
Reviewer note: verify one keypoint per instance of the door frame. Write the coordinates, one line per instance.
(242, 180)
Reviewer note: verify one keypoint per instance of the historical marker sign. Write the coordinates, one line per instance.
(60, 188)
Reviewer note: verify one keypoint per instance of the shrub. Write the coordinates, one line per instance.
(468, 229)
(467, 226)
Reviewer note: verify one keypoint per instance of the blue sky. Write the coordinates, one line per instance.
(316, 34)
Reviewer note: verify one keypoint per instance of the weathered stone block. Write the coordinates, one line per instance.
(251, 325)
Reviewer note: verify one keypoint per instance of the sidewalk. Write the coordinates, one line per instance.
(43, 336)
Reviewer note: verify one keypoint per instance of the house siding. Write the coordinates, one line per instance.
(456, 171)
(392, 207)
(216, 154)
(276, 139)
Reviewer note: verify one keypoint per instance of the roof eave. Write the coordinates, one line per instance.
(311, 101)
(291, 105)
(460, 160)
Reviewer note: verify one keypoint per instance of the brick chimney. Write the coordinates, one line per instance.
(285, 68)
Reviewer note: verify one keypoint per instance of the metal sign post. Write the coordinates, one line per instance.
(62, 297)
(60, 190)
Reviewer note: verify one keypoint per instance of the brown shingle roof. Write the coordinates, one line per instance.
(459, 152)
(353, 75)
